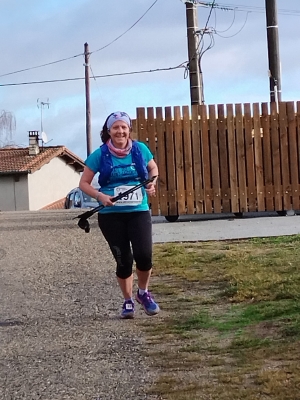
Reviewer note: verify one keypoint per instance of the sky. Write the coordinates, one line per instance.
(125, 38)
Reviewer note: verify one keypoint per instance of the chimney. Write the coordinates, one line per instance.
(34, 148)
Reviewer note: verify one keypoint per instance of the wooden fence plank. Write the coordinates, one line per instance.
(298, 131)
(223, 159)
(205, 148)
(161, 160)
(293, 158)
(258, 159)
(187, 160)
(134, 133)
(179, 161)
(232, 160)
(151, 133)
(142, 125)
(250, 158)
(214, 159)
(241, 158)
(298, 139)
(197, 165)
(267, 157)
(286, 185)
(171, 169)
(276, 157)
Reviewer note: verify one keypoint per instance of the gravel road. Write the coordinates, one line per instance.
(60, 335)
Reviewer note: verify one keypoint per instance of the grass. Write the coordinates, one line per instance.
(231, 323)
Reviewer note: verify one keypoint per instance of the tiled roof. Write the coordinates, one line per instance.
(18, 160)
(57, 205)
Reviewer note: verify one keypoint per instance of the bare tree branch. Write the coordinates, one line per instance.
(7, 127)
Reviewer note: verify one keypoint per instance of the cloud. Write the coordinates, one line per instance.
(234, 70)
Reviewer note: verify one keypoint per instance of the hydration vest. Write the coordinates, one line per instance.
(106, 164)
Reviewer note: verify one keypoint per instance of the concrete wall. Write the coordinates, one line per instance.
(14, 193)
(51, 183)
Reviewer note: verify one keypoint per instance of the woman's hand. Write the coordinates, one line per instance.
(150, 189)
(105, 199)
(153, 171)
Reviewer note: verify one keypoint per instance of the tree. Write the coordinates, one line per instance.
(7, 127)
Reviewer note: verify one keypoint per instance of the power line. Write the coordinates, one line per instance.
(100, 93)
(42, 65)
(210, 12)
(101, 48)
(201, 32)
(81, 54)
(226, 30)
(262, 9)
(240, 30)
(95, 76)
(224, 7)
(205, 30)
(243, 7)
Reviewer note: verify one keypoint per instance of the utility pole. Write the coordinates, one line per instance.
(273, 50)
(87, 100)
(196, 87)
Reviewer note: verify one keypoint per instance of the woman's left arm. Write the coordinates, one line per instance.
(152, 171)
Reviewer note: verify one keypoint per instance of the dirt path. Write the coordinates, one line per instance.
(60, 336)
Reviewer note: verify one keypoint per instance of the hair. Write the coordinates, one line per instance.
(104, 134)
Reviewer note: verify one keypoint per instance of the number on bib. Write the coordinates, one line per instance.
(132, 199)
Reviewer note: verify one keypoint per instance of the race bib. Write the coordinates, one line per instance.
(133, 199)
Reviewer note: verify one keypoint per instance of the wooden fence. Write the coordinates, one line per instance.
(223, 158)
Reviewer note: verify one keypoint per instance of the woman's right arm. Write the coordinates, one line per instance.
(85, 183)
(86, 187)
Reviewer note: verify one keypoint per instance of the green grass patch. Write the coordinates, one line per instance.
(257, 269)
(241, 316)
(232, 329)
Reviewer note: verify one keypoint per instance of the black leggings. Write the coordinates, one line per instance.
(124, 231)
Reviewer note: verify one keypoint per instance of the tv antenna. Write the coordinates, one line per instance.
(44, 137)
(42, 105)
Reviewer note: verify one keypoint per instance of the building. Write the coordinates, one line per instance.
(37, 177)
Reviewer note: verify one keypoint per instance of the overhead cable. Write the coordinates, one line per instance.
(104, 47)
(243, 26)
(81, 54)
(42, 65)
(94, 76)
(242, 7)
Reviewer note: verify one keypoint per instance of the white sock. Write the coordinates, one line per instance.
(142, 291)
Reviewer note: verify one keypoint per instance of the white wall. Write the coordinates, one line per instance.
(14, 193)
(51, 183)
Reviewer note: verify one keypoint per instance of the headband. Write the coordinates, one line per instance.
(118, 116)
